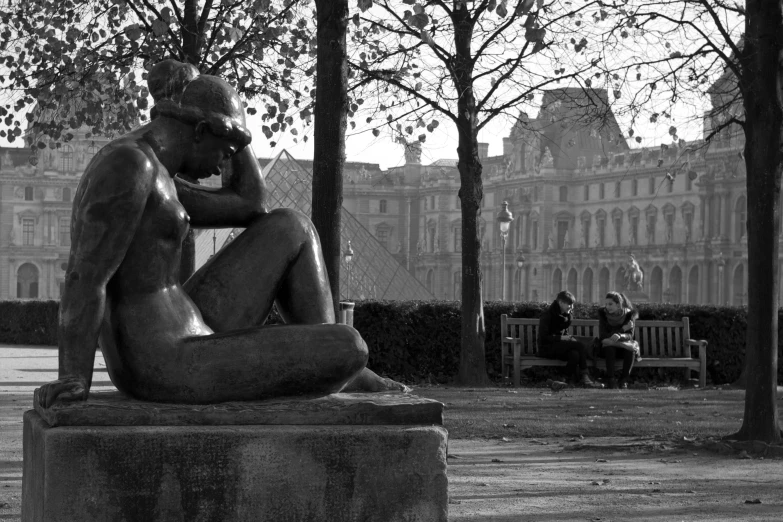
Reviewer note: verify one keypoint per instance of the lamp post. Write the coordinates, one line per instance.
(721, 264)
(520, 264)
(504, 220)
(348, 257)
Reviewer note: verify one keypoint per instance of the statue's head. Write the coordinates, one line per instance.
(217, 115)
(167, 79)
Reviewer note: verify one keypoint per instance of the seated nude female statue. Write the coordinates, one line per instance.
(201, 342)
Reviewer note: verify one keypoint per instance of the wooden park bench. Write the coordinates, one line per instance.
(664, 344)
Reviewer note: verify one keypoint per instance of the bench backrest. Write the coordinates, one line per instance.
(656, 338)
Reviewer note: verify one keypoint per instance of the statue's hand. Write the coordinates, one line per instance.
(68, 389)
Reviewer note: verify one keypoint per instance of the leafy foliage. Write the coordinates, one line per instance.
(69, 64)
(408, 61)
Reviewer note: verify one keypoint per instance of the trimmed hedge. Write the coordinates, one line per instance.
(29, 322)
(415, 340)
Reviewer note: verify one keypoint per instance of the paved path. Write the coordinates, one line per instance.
(491, 480)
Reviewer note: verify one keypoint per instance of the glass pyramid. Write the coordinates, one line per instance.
(373, 272)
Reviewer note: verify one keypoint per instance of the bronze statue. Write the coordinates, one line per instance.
(202, 341)
(634, 277)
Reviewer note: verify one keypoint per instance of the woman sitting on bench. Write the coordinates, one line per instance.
(615, 333)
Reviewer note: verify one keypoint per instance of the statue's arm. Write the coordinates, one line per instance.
(236, 204)
(107, 213)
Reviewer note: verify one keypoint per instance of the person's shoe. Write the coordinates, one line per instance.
(622, 384)
(588, 383)
(612, 384)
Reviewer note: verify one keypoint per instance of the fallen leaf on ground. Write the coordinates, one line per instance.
(4, 505)
(596, 483)
(496, 460)
(601, 460)
(754, 501)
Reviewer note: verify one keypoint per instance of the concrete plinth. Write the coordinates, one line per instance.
(223, 472)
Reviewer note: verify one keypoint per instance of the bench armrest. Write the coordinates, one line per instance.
(701, 343)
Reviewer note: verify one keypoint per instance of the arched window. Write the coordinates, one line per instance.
(619, 280)
(382, 205)
(92, 150)
(656, 285)
(571, 284)
(557, 281)
(674, 292)
(693, 286)
(28, 193)
(739, 285)
(587, 286)
(603, 284)
(740, 218)
(27, 281)
(66, 158)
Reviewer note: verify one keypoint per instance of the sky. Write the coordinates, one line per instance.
(362, 146)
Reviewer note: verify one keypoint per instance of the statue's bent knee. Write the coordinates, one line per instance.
(291, 220)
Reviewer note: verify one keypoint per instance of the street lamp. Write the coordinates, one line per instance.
(520, 264)
(348, 257)
(721, 264)
(504, 220)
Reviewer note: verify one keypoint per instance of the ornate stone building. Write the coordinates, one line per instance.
(35, 215)
(583, 202)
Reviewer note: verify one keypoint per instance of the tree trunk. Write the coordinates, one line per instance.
(331, 119)
(191, 47)
(472, 364)
(760, 81)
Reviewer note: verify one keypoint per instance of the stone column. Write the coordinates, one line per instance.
(702, 215)
(727, 211)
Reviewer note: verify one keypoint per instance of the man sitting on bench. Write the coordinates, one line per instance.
(554, 342)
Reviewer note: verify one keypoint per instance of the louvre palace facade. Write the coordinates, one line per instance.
(582, 201)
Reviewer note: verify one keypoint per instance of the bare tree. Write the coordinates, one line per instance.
(468, 62)
(676, 50)
(331, 120)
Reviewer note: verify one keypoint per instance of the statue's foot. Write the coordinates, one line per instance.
(369, 381)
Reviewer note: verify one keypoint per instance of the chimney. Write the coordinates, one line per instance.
(508, 147)
(483, 150)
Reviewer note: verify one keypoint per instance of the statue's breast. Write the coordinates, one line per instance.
(169, 218)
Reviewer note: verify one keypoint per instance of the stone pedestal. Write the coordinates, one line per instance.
(345, 457)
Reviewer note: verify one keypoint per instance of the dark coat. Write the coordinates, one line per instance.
(606, 330)
(552, 325)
